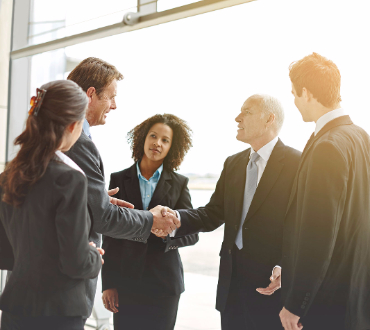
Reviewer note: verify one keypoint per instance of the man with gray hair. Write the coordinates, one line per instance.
(251, 197)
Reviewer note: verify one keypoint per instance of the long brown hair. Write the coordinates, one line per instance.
(64, 103)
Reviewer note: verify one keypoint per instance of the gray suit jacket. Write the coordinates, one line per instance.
(108, 219)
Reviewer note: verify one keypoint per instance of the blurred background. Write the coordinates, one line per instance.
(199, 60)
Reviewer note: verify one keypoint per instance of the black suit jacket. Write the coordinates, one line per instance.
(107, 219)
(154, 268)
(263, 226)
(327, 239)
(48, 234)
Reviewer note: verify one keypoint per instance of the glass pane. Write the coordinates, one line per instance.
(52, 19)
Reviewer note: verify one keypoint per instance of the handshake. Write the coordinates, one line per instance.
(165, 221)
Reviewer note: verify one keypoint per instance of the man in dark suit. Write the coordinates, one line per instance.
(99, 80)
(326, 264)
(250, 199)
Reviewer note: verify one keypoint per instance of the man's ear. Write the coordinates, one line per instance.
(90, 92)
(270, 119)
(307, 94)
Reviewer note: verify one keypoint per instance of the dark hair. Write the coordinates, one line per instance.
(181, 141)
(94, 72)
(64, 103)
(318, 75)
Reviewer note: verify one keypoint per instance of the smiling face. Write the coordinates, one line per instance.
(100, 106)
(251, 122)
(158, 142)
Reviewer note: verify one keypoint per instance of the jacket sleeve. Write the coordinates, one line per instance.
(207, 218)
(320, 204)
(77, 259)
(184, 202)
(6, 250)
(108, 219)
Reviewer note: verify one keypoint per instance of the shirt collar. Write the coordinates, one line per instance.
(86, 128)
(329, 116)
(156, 175)
(266, 150)
(68, 161)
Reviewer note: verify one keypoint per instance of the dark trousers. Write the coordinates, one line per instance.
(15, 322)
(246, 309)
(143, 312)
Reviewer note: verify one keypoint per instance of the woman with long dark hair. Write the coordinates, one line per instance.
(142, 283)
(44, 222)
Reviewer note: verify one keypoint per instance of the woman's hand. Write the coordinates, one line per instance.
(110, 300)
(101, 251)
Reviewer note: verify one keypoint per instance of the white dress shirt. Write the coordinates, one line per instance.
(68, 161)
(265, 153)
(329, 116)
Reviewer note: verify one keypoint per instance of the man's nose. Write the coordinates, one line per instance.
(113, 105)
(237, 119)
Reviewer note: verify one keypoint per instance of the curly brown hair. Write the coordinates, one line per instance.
(181, 141)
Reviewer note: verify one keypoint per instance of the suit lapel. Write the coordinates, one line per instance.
(238, 174)
(270, 175)
(343, 120)
(163, 187)
(132, 187)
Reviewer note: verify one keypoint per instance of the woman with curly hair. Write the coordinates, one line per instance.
(142, 282)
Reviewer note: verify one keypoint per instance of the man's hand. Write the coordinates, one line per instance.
(164, 221)
(110, 300)
(117, 201)
(289, 320)
(275, 283)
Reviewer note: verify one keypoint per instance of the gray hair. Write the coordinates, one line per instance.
(270, 104)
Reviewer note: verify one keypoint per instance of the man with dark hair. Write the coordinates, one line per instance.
(326, 252)
(99, 80)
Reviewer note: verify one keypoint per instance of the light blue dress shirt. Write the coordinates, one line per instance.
(147, 187)
(86, 128)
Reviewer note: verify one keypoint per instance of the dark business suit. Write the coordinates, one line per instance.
(48, 234)
(326, 264)
(242, 271)
(107, 219)
(147, 272)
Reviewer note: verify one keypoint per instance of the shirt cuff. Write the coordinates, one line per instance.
(178, 217)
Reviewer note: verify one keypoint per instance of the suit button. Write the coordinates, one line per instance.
(246, 228)
(303, 306)
(308, 294)
(306, 298)
(229, 251)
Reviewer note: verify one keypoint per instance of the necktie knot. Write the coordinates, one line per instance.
(254, 157)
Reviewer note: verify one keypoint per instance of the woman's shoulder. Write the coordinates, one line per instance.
(127, 172)
(62, 174)
(178, 177)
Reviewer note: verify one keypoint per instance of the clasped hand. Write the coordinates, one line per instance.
(164, 221)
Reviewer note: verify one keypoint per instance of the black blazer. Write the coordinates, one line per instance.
(49, 238)
(154, 268)
(326, 268)
(263, 226)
